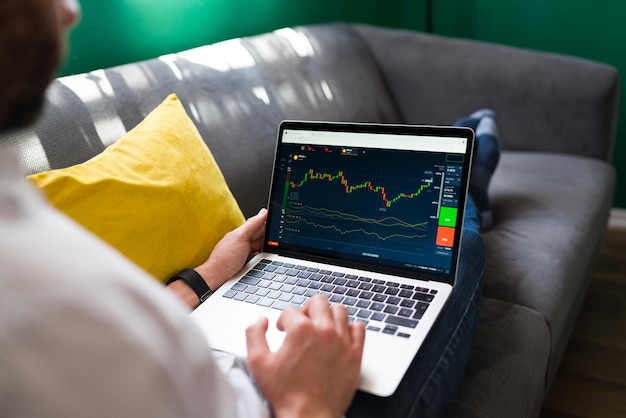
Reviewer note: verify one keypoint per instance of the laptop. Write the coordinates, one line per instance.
(370, 215)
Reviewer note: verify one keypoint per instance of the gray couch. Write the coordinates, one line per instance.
(552, 191)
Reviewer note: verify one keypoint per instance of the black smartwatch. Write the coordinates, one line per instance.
(195, 281)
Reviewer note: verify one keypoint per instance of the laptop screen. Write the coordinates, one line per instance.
(388, 197)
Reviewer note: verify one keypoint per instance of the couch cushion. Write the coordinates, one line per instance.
(506, 370)
(550, 214)
(156, 194)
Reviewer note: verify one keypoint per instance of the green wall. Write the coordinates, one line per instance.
(114, 32)
(593, 30)
(119, 31)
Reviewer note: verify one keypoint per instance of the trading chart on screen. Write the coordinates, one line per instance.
(388, 204)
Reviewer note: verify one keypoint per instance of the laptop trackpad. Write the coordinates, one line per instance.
(273, 335)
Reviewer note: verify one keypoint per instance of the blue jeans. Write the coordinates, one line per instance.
(433, 379)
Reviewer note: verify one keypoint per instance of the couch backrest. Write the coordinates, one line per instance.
(236, 92)
(544, 102)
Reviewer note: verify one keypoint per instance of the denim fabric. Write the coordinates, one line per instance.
(432, 381)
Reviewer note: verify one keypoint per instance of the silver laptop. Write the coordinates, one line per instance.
(369, 215)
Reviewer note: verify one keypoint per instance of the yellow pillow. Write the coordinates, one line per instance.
(157, 194)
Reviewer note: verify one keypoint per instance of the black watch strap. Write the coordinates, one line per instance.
(195, 281)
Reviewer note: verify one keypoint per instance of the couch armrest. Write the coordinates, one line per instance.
(544, 102)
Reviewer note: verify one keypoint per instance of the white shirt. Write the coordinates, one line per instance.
(85, 333)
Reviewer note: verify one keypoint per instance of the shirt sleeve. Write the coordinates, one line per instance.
(85, 333)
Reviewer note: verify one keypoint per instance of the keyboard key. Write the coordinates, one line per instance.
(390, 329)
(279, 278)
(251, 290)
(255, 273)
(285, 297)
(366, 286)
(291, 280)
(379, 298)
(377, 306)
(265, 302)
(392, 300)
(264, 283)
(362, 303)
(299, 291)
(299, 300)
(392, 291)
(239, 287)
(407, 303)
(404, 293)
(274, 294)
(349, 301)
(282, 305)
(420, 308)
(340, 281)
(250, 280)
(423, 297)
(287, 288)
(229, 294)
(378, 288)
(403, 335)
(351, 310)
(252, 299)
(315, 285)
(327, 287)
(340, 290)
(366, 295)
(397, 320)
(390, 309)
(377, 316)
(364, 313)
(336, 298)
(303, 283)
(405, 312)
(353, 292)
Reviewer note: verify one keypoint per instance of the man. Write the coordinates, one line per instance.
(84, 333)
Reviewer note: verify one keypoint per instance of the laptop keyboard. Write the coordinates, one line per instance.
(383, 306)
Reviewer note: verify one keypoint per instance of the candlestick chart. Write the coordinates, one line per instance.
(372, 206)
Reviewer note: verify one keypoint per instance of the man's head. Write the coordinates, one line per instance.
(32, 45)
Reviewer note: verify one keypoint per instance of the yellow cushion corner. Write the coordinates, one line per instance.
(157, 194)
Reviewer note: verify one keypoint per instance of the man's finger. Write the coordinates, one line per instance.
(255, 339)
(318, 309)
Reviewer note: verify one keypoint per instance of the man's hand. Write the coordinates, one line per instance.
(233, 251)
(316, 371)
(228, 257)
